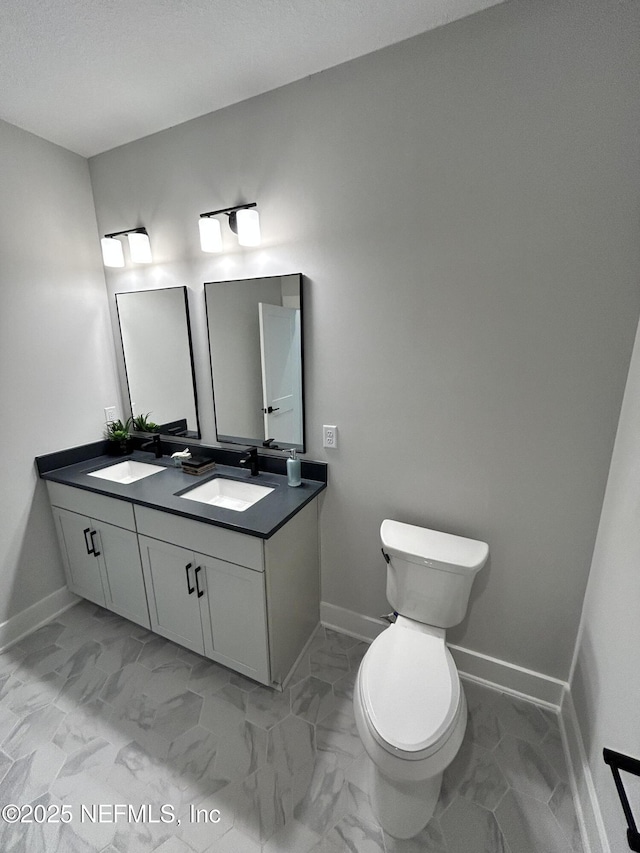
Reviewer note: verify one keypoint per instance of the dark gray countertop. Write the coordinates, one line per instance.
(159, 491)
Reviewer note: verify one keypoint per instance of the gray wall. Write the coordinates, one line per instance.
(56, 352)
(605, 684)
(465, 207)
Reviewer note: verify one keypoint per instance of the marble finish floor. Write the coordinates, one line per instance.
(98, 712)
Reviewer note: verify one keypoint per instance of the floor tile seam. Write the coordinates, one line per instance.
(570, 847)
(106, 786)
(171, 696)
(74, 752)
(535, 741)
(219, 733)
(333, 823)
(115, 721)
(206, 695)
(536, 745)
(185, 666)
(364, 821)
(503, 795)
(544, 758)
(561, 833)
(499, 825)
(94, 668)
(326, 714)
(13, 689)
(561, 782)
(146, 665)
(317, 719)
(7, 768)
(526, 793)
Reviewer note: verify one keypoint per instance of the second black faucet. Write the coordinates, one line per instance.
(153, 444)
(251, 459)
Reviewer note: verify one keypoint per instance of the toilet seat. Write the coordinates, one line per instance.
(410, 691)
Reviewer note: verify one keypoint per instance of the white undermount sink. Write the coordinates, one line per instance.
(228, 494)
(126, 472)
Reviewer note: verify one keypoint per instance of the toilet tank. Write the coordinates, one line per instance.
(429, 573)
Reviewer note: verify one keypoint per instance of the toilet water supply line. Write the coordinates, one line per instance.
(388, 617)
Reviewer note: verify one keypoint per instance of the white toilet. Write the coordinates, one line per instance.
(409, 704)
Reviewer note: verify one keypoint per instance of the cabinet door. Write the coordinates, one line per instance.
(81, 566)
(123, 580)
(236, 613)
(174, 608)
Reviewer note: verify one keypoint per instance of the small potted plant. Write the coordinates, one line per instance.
(143, 424)
(117, 434)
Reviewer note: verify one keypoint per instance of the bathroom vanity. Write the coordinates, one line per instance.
(239, 586)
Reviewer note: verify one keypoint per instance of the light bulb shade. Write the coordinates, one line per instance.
(139, 247)
(210, 234)
(112, 254)
(248, 223)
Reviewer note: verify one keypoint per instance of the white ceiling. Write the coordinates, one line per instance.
(93, 74)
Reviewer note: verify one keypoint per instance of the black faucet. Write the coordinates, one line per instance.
(252, 459)
(154, 444)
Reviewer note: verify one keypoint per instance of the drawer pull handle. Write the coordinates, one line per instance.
(90, 549)
(95, 552)
(191, 589)
(200, 591)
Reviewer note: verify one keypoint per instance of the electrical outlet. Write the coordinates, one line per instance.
(330, 436)
(110, 414)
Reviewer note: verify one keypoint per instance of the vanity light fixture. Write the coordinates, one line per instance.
(210, 234)
(139, 247)
(243, 221)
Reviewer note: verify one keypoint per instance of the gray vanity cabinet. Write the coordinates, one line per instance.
(248, 603)
(210, 605)
(236, 603)
(100, 551)
(82, 568)
(174, 604)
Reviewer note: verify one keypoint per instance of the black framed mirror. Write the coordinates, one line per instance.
(256, 350)
(158, 358)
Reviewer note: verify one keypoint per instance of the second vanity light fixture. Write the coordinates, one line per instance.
(139, 247)
(243, 221)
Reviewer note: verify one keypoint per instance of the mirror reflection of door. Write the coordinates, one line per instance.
(281, 381)
(255, 345)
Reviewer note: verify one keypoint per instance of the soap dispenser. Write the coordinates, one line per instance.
(293, 469)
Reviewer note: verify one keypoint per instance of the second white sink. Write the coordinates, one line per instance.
(126, 472)
(228, 494)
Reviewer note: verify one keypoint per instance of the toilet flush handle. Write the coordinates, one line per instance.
(385, 555)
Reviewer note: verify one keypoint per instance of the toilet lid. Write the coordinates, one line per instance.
(409, 689)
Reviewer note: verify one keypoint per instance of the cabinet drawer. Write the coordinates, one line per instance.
(205, 538)
(119, 513)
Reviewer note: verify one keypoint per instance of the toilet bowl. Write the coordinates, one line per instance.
(409, 704)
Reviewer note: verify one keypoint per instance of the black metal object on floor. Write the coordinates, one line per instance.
(617, 762)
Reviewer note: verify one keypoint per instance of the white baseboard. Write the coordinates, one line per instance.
(506, 676)
(543, 689)
(594, 836)
(25, 622)
(349, 622)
